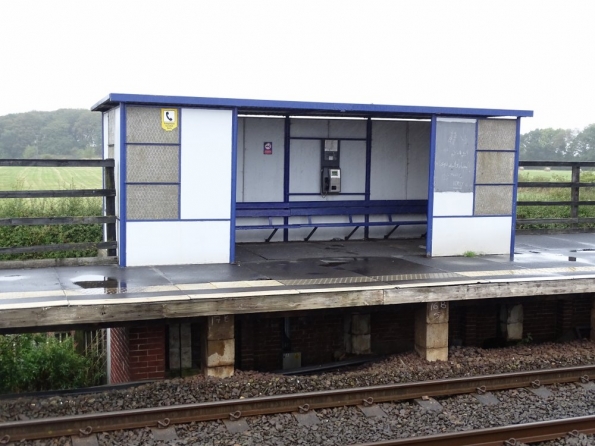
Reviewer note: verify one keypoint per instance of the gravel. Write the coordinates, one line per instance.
(342, 425)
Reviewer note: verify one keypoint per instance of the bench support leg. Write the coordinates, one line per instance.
(311, 234)
(391, 231)
(272, 235)
(352, 232)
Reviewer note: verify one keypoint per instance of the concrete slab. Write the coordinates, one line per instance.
(429, 404)
(167, 434)
(207, 273)
(372, 411)
(487, 399)
(306, 419)
(236, 426)
(542, 392)
(91, 440)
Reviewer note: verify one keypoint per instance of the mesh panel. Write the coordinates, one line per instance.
(152, 164)
(495, 167)
(152, 202)
(493, 200)
(143, 125)
(496, 134)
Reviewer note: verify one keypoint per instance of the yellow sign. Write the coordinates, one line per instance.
(169, 119)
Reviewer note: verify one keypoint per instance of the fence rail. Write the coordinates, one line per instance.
(108, 219)
(574, 221)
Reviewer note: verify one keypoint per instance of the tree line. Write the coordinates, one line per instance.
(76, 133)
(558, 145)
(65, 133)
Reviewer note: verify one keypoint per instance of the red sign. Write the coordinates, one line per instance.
(268, 148)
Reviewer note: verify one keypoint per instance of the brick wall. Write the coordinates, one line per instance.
(147, 351)
(318, 337)
(119, 356)
(259, 342)
(393, 329)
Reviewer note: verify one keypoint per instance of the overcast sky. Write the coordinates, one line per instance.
(529, 55)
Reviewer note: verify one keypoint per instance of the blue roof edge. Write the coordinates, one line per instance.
(264, 104)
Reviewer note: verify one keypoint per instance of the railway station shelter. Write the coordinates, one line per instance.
(195, 176)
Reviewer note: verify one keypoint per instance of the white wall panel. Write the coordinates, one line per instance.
(389, 161)
(353, 166)
(455, 236)
(206, 163)
(453, 203)
(418, 160)
(347, 128)
(263, 174)
(177, 242)
(310, 128)
(240, 162)
(304, 166)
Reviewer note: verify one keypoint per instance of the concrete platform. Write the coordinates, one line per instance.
(283, 277)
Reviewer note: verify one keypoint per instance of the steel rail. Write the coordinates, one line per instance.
(498, 436)
(215, 410)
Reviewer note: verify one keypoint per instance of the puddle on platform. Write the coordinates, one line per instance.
(335, 262)
(109, 285)
(11, 278)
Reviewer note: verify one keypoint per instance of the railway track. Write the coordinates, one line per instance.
(502, 436)
(234, 409)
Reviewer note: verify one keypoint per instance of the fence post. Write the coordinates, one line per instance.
(574, 193)
(110, 209)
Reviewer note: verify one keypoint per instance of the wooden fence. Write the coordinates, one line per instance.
(108, 219)
(573, 223)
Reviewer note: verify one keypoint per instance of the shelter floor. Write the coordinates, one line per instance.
(263, 269)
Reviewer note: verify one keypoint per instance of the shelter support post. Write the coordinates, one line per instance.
(357, 331)
(511, 322)
(431, 331)
(218, 346)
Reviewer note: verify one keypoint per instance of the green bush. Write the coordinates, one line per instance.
(23, 236)
(36, 362)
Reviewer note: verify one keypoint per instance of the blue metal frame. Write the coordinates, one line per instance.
(368, 173)
(319, 138)
(431, 186)
(177, 220)
(234, 178)
(123, 152)
(284, 107)
(318, 194)
(515, 187)
(286, 150)
(475, 166)
(155, 143)
(473, 216)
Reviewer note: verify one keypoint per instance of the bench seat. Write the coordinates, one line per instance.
(310, 209)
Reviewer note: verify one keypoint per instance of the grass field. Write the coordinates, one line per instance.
(49, 178)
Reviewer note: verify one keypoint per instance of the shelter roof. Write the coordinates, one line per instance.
(298, 108)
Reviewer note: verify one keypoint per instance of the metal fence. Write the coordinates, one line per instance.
(108, 219)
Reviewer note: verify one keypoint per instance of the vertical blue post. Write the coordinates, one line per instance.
(286, 143)
(122, 250)
(368, 171)
(234, 176)
(431, 186)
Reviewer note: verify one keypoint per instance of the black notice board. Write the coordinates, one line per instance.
(454, 168)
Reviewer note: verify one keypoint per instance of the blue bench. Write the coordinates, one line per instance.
(310, 209)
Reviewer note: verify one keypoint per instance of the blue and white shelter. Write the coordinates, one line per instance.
(195, 176)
